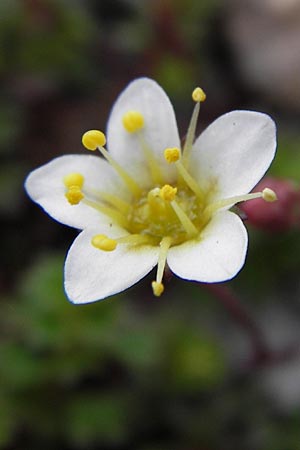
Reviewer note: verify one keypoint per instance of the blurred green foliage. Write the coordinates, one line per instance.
(101, 374)
(287, 161)
(89, 372)
(46, 39)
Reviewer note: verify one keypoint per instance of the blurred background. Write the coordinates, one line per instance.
(203, 367)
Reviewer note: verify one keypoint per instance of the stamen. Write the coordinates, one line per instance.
(172, 155)
(152, 163)
(110, 212)
(96, 139)
(93, 139)
(133, 121)
(115, 201)
(267, 194)
(190, 181)
(73, 179)
(198, 96)
(157, 285)
(158, 288)
(136, 239)
(102, 242)
(74, 195)
(168, 193)
(185, 221)
(131, 184)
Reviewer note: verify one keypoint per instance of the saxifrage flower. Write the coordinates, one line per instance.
(150, 201)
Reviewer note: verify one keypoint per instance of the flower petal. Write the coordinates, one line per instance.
(218, 256)
(92, 274)
(235, 150)
(159, 132)
(46, 187)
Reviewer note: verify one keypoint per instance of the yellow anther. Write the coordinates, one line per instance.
(73, 179)
(74, 195)
(268, 195)
(198, 95)
(158, 288)
(102, 242)
(168, 193)
(133, 121)
(172, 154)
(93, 139)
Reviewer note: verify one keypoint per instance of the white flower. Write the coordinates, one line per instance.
(150, 202)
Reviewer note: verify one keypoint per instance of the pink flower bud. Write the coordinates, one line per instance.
(277, 216)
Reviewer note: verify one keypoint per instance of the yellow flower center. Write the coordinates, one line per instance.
(153, 214)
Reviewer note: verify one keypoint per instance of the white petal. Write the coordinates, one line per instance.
(160, 129)
(45, 186)
(235, 150)
(92, 274)
(218, 256)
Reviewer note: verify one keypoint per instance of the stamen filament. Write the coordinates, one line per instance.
(115, 201)
(163, 251)
(103, 242)
(128, 180)
(190, 136)
(190, 181)
(153, 165)
(157, 285)
(267, 194)
(110, 212)
(185, 221)
(136, 239)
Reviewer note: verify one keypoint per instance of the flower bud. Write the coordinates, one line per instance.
(278, 216)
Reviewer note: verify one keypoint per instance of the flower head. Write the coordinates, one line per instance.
(150, 201)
